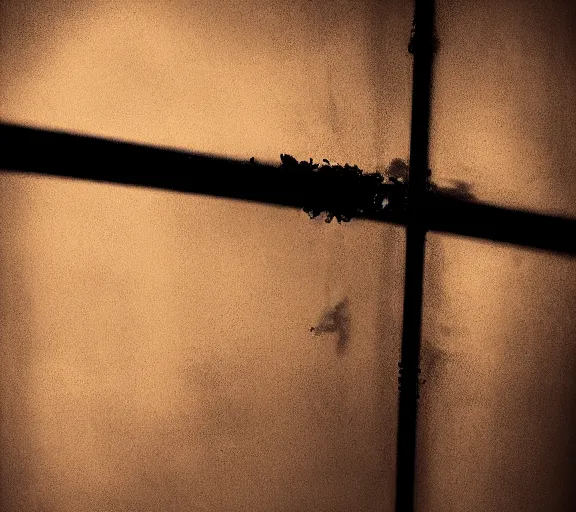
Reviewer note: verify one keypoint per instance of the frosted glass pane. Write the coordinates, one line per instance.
(505, 102)
(158, 346)
(498, 408)
(321, 78)
(156, 353)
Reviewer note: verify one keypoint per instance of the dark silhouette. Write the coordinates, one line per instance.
(335, 320)
(460, 190)
(30, 150)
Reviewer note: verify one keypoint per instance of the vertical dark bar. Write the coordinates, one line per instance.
(421, 46)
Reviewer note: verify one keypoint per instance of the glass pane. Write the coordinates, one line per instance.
(505, 102)
(498, 408)
(321, 78)
(158, 346)
(157, 353)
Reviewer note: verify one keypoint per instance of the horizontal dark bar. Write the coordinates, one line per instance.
(31, 150)
(489, 222)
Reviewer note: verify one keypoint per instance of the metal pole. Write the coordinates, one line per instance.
(421, 46)
(30, 150)
(43, 152)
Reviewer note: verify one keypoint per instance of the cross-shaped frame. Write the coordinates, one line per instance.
(31, 150)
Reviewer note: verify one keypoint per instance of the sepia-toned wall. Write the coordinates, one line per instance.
(498, 410)
(156, 347)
